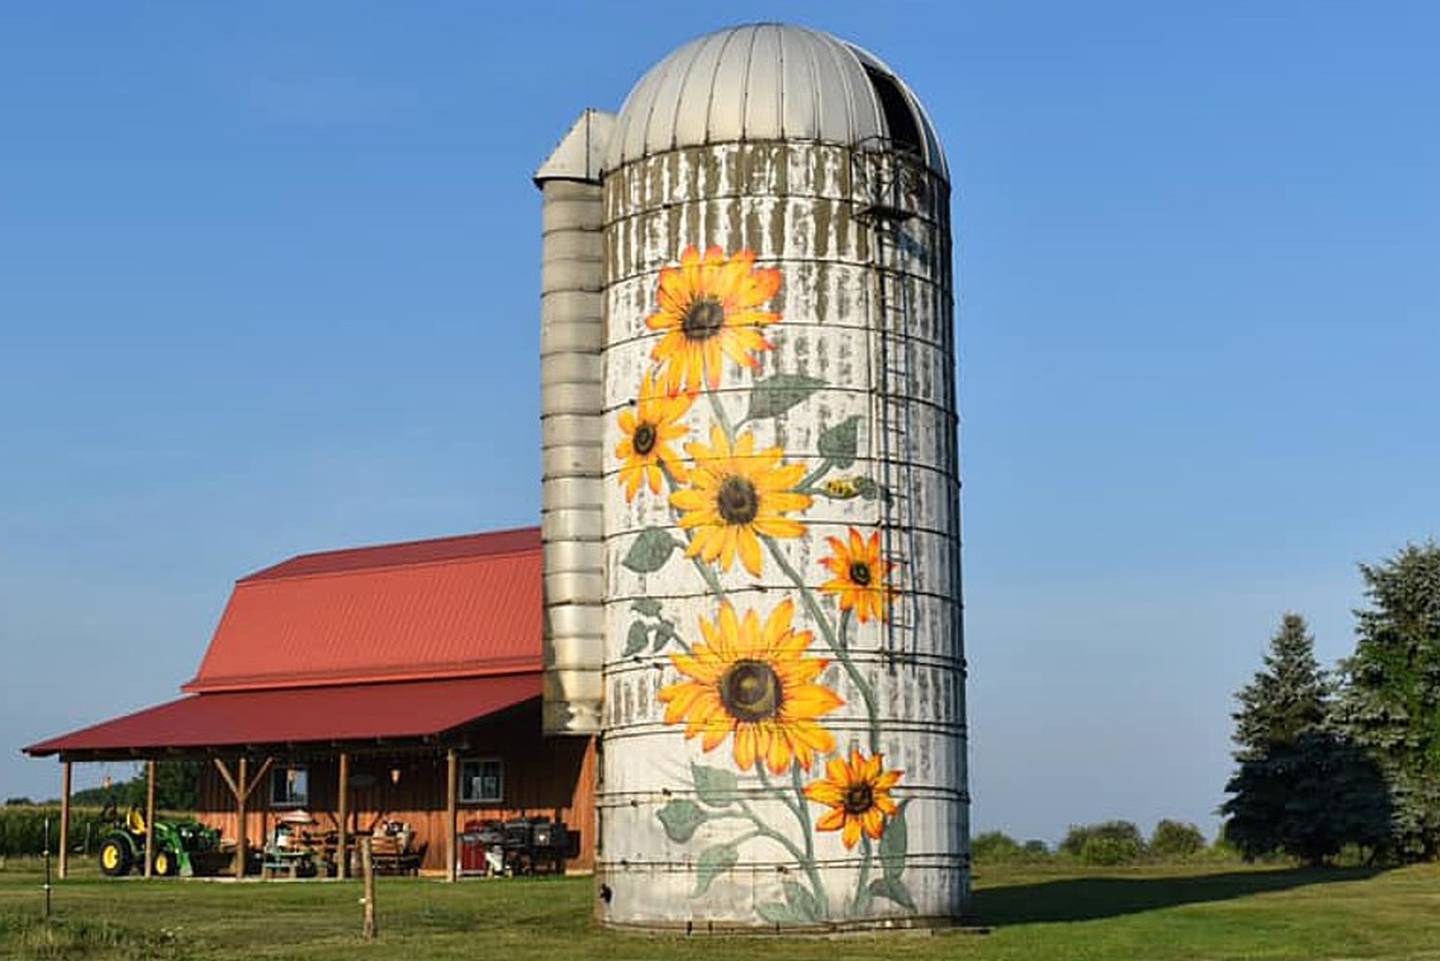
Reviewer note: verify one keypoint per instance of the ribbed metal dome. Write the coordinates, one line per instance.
(770, 81)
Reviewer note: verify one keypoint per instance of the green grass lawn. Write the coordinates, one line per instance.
(1151, 913)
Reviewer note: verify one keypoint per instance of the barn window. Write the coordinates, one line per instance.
(289, 786)
(482, 780)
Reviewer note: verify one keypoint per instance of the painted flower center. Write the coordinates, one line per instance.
(860, 573)
(644, 439)
(737, 501)
(703, 319)
(751, 691)
(859, 799)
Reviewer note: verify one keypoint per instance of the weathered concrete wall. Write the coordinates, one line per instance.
(834, 401)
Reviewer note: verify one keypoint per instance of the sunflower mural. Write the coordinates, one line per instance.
(645, 452)
(748, 688)
(709, 309)
(735, 497)
(754, 683)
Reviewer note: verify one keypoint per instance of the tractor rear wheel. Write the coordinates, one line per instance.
(165, 864)
(114, 858)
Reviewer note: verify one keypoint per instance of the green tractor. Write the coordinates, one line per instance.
(185, 847)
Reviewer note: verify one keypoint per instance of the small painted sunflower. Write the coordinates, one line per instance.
(649, 428)
(860, 575)
(858, 794)
(753, 681)
(710, 310)
(735, 495)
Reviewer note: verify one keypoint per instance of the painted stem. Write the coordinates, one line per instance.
(809, 479)
(804, 819)
(846, 618)
(721, 416)
(765, 780)
(805, 859)
(761, 828)
(841, 655)
(862, 890)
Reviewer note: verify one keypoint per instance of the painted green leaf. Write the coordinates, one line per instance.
(681, 818)
(650, 551)
(775, 395)
(801, 902)
(867, 488)
(664, 634)
(647, 606)
(776, 912)
(893, 889)
(714, 861)
(893, 844)
(838, 442)
(715, 786)
(636, 639)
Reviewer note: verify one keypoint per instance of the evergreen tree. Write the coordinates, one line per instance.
(1301, 789)
(1308, 798)
(1391, 699)
(1287, 698)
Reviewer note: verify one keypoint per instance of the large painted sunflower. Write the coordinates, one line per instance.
(858, 794)
(649, 428)
(735, 495)
(710, 310)
(753, 681)
(861, 573)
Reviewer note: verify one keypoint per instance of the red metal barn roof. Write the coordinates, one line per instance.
(452, 607)
(350, 712)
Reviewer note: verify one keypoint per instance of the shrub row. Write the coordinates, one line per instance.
(1107, 843)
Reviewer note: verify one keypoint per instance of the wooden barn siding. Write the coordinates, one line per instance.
(550, 777)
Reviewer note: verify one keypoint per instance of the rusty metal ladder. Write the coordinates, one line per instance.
(882, 205)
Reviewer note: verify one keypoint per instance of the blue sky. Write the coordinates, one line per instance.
(268, 284)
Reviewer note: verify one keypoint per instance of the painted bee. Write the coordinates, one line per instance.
(845, 488)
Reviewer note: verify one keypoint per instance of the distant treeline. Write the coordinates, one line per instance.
(1106, 843)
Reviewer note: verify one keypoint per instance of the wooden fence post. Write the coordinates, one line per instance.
(367, 870)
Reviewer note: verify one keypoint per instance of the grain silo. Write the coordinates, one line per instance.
(753, 490)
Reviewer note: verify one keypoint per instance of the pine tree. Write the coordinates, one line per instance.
(1287, 698)
(1301, 789)
(1391, 698)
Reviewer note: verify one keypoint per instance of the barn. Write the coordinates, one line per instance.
(391, 691)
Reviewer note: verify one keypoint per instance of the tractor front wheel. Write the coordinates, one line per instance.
(165, 864)
(114, 858)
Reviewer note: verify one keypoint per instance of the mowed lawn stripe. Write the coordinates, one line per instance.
(1159, 912)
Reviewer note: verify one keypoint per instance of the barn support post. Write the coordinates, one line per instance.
(241, 796)
(241, 785)
(452, 770)
(64, 819)
(149, 818)
(342, 856)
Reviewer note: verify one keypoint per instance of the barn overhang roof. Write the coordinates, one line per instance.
(291, 719)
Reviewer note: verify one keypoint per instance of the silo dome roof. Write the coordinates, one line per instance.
(770, 81)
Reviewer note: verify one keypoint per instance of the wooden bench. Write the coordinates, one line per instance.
(391, 855)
